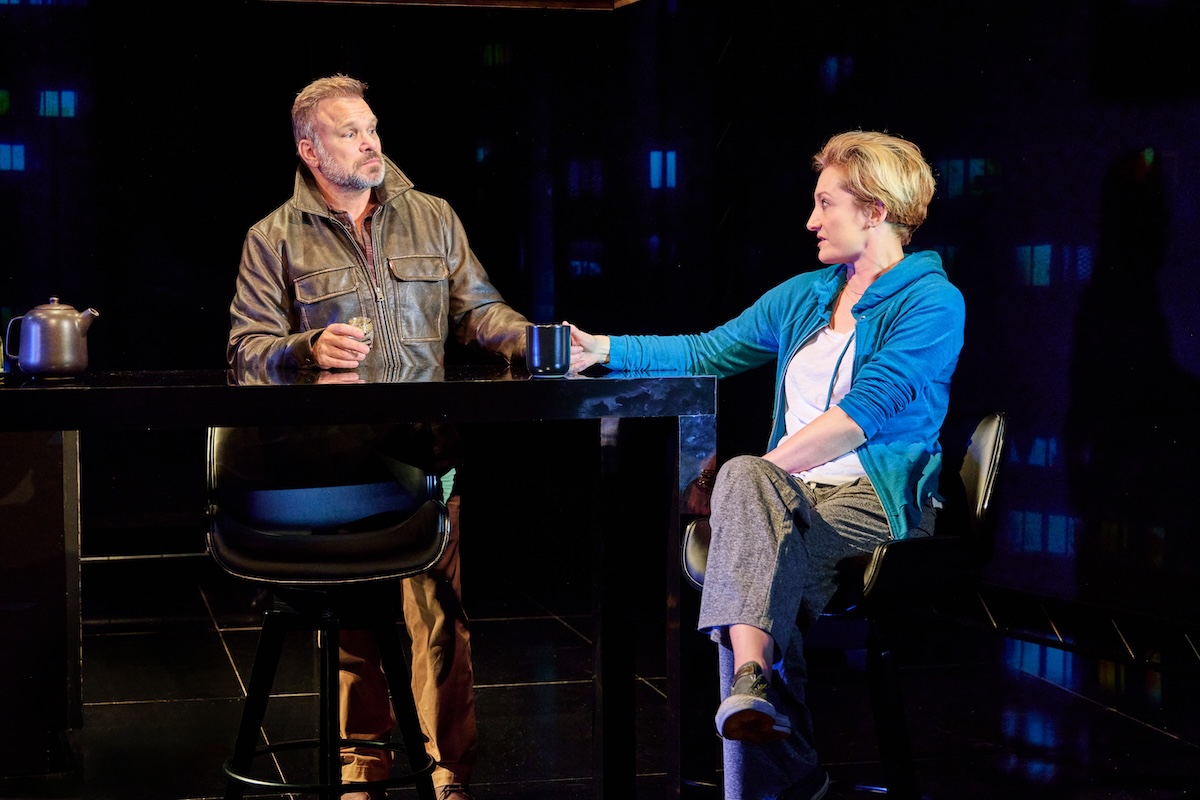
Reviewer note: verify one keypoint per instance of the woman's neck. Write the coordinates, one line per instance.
(872, 263)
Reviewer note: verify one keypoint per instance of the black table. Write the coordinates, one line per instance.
(40, 420)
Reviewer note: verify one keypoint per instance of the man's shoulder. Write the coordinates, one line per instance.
(283, 217)
(416, 199)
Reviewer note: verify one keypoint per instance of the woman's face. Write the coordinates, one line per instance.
(838, 220)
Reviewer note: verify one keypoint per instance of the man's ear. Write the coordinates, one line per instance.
(308, 153)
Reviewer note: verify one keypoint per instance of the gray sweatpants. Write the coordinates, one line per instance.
(772, 563)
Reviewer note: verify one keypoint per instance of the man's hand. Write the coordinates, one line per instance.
(326, 377)
(338, 347)
(587, 349)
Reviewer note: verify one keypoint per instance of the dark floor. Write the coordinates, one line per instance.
(167, 643)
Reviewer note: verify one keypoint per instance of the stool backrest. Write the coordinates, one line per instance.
(311, 476)
(321, 505)
(981, 465)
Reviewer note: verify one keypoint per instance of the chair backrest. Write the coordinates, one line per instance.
(302, 505)
(693, 551)
(981, 464)
(311, 477)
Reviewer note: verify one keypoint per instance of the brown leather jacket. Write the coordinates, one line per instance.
(301, 270)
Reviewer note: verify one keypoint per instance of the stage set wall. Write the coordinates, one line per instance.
(647, 170)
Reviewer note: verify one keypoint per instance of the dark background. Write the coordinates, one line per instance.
(1063, 135)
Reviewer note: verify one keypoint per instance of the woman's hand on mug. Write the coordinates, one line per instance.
(587, 349)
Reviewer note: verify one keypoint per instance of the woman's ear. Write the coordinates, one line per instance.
(877, 213)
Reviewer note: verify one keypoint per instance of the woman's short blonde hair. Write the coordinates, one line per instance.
(304, 108)
(884, 169)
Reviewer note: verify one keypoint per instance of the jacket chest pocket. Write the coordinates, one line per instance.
(422, 288)
(329, 295)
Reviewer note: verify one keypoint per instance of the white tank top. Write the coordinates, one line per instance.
(817, 377)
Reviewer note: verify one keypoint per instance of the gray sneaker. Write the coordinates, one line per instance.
(747, 715)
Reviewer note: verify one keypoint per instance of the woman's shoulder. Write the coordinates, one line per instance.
(822, 276)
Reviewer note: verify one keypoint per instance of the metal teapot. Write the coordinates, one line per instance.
(53, 339)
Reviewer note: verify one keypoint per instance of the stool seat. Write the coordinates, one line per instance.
(327, 520)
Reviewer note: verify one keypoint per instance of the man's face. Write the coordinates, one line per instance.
(347, 149)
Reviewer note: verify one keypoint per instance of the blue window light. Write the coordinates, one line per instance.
(12, 157)
(662, 169)
(56, 104)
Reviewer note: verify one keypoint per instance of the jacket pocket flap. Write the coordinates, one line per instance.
(317, 286)
(418, 268)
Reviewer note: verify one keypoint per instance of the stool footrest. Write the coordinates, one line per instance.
(404, 779)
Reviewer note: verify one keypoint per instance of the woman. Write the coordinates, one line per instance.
(865, 348)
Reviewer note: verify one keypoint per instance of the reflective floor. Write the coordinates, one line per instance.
(168, 642)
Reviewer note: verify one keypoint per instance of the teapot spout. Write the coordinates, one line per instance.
(84, 320)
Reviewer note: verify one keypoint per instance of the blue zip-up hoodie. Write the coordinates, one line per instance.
(908, 334)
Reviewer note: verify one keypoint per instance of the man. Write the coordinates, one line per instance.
(357, 240)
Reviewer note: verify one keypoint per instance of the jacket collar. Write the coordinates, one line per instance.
(912, 268)
(307, 197)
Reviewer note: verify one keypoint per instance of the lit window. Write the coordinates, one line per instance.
(56, 104)
(1043, 452)
(1082, 266)
(1037, 532)
(662, 169)
(958, 176)
(1045, 264)
(952, 177)
(12, 157)
(1060, 534)
(1033, 264)
(4, 102)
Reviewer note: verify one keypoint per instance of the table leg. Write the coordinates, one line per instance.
(697, 450)
(693, 445)
(39, 606)
(614, 743)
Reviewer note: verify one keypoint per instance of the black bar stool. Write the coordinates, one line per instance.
(329, 520)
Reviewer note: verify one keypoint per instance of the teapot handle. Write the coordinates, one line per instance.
(8, 337)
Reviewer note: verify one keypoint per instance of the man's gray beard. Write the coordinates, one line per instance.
(342, 177)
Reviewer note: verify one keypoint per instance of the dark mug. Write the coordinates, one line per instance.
(548, 350)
